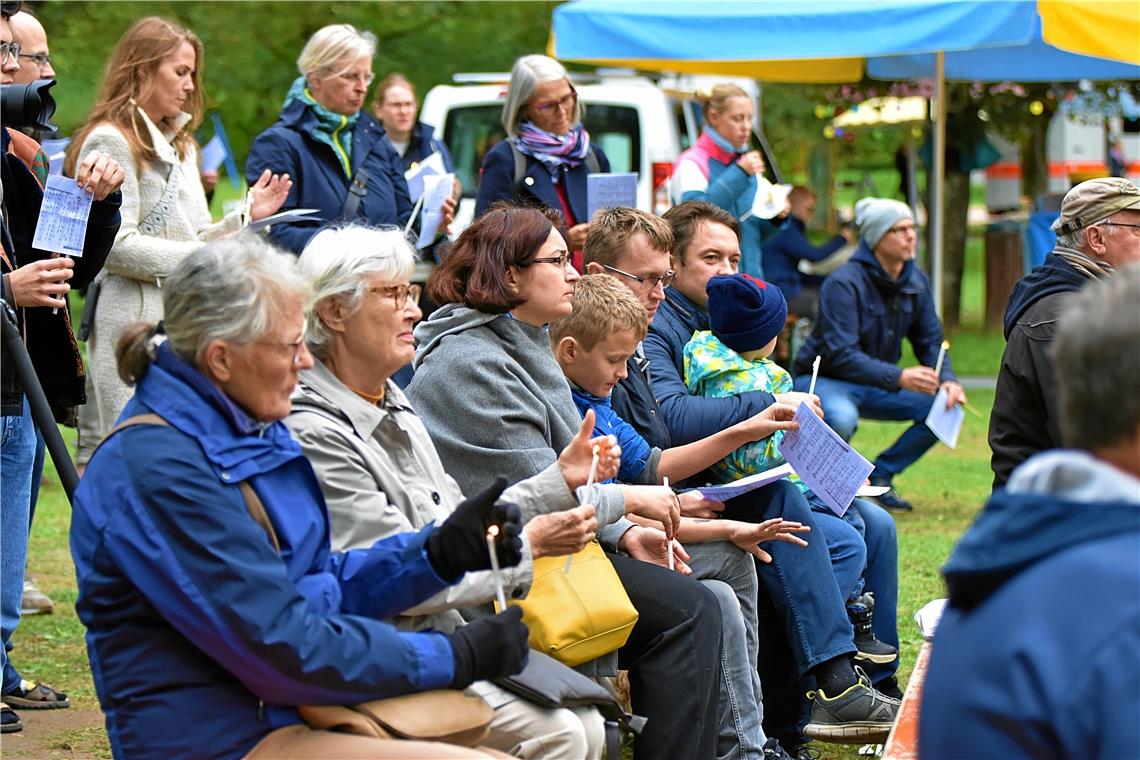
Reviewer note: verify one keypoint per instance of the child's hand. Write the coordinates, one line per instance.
(576, 458)
(795, 397)
(695, 505)
(747, 535)
(778, 416)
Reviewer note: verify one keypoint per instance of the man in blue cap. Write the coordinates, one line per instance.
(866, 307)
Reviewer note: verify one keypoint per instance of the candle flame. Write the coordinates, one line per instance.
(493, 531)
(945, 345)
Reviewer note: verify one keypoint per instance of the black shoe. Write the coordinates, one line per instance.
(891, 499)
(773, 751)
(29, 695)
(9, 720)
(870, 649)
(858, 715)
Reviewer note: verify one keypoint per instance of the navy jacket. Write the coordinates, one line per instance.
(422, 144)
(863, 317)
(318, 179)
(781, 255)
(1038, 653)
(48, 336)
(633, 400)
(1026, 415)
(497, 182)
(201, 636)
(689, 418)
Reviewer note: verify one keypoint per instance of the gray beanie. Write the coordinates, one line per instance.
(877, 215)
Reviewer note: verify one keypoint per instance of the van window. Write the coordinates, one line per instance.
(471, 131)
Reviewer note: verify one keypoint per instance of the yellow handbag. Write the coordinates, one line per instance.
(580, 615)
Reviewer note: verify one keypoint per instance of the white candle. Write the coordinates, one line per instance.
(814, 376)
(500, 597)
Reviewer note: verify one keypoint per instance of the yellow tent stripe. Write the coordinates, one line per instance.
(1102, 28)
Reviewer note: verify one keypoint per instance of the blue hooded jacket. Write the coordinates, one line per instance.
(201, 636)
(864, 315)
(318, 176)
(1038, 652)
(781, 256)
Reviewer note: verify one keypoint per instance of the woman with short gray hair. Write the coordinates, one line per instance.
(547, 154)
(201, 544)
(381, 475)
(331, 146)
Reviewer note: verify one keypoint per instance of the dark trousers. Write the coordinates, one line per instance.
(673, 658)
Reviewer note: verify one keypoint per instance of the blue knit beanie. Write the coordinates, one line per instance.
(745, 313)
(877, 215)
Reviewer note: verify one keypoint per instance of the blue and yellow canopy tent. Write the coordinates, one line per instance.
(833, 41)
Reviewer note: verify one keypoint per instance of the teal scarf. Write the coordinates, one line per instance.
(333, 129)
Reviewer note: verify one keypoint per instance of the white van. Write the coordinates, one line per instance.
(641, 125)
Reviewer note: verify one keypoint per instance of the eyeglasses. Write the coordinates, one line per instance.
(567, 102)
(400, 294)
(40, 59)
(296, 347)
(9, 50)
(561, 261)
(363, 78)
(664, 280)
(1120, 224)
(903, 229)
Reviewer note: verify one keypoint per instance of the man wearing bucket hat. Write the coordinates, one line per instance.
(866, 307)
(1098, 230)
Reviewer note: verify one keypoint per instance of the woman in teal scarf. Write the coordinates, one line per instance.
(334, 151)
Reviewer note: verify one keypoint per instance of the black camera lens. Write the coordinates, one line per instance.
(28, 105)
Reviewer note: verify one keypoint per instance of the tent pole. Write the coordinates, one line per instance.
(937, 198)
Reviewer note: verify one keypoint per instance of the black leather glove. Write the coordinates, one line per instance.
(459, 545)
(489, 648)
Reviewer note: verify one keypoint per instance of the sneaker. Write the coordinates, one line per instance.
(9, 720)
(891, 499)
(34, 602)
(870, 649)
(773, 751)
(36, 696)
(859, 715)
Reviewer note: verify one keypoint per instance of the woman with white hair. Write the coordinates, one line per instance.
(381, 475)
(211, 597)
(547, 154)
(330, 145)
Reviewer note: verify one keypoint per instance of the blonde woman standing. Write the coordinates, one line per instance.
(144, 118)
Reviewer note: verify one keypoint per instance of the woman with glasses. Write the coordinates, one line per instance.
(330, 145)
(381, 475)
(547, 154)
(148, 107)
(494, 400)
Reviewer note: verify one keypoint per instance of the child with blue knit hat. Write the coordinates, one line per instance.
(745, 316)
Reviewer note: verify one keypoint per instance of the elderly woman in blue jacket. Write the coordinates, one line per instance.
(334, 151)
(546, 140)
(204, 610)
(719, 168)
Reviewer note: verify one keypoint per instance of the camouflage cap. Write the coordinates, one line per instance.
(1094, 200)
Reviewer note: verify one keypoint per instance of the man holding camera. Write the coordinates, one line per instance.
(35, 283)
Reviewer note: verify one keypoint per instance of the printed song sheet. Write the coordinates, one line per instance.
(945, 423)
(437, 190)
(744, 485)
(824, 461)
(609, 190)
(62, 225)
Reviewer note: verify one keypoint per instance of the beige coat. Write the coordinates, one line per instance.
(131, 289)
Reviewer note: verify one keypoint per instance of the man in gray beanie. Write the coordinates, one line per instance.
(866, 307)
(1098, 230)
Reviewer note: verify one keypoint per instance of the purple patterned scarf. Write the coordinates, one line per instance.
(553, 150)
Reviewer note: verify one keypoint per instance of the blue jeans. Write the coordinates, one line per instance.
(800, 581)
(730, 574)
(17, 453)
(879, 540)
(844, 403)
